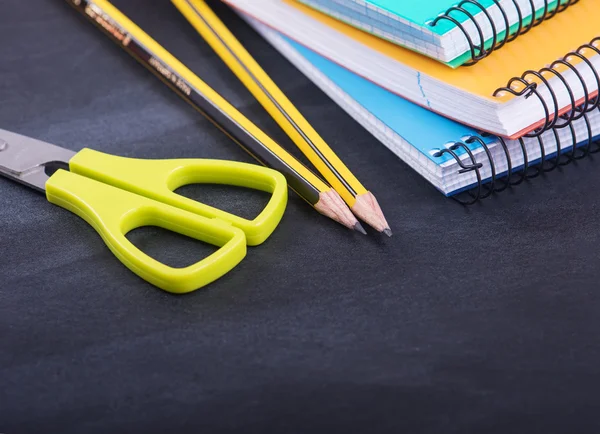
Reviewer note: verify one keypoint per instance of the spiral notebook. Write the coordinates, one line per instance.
(451, 156)
(443, 29)
(484, 96)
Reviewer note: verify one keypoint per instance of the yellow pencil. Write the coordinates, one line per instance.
(209, 26)
(193, 90)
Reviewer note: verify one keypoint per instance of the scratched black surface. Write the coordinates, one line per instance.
(467, 320)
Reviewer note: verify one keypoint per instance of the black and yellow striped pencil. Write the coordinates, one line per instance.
(361, 201)
(226, 117)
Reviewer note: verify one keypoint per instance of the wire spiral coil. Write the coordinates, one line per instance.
(553, 122)
(477, 42)
(552, 116)
(515, 175)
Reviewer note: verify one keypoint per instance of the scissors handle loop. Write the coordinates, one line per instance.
(157, 179)
(113, 212)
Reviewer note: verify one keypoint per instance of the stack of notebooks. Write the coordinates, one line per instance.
(476, 96)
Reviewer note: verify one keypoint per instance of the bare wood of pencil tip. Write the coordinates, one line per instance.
(331, 204)
(201, 97)
(368, 210)
(243, 65)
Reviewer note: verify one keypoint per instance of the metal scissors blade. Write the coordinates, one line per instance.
(25, 159)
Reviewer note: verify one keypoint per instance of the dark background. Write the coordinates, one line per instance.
(481, 319)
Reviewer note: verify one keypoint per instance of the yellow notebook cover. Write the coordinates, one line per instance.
(538, 48)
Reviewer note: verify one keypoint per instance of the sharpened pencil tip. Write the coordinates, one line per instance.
(331, 204)
(388, 232)
(358, 227)
(367, 209)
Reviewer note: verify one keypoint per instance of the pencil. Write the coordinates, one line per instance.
(215, 33)
(222, 114)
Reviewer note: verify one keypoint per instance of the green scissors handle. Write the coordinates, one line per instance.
(116, 195)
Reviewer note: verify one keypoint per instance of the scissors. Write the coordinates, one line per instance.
(117, 194)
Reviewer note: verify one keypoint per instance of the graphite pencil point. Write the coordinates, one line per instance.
(367, 209)
(358, 227)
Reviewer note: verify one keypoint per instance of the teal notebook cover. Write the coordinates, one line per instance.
(420, 12)
(411, 16)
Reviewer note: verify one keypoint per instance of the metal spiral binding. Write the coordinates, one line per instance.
(478, 51)
(514, 176)
(552, 117)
